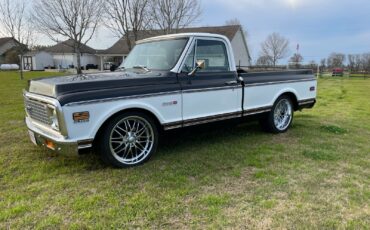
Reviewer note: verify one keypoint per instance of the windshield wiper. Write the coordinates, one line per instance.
(141, 67)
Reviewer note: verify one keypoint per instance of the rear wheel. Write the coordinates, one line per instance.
(129, 139)
(279, 119)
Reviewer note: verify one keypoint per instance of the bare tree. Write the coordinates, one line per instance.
(73, 19)
(323, 62)
(171, 15)
(351, 62)
(275, 47)
(365, 63)
(126, 18)
(264, 61)
(233, 22)
(336, 60)
(14, 20)
(296, 59)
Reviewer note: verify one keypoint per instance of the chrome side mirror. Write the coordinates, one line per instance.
(200, 64)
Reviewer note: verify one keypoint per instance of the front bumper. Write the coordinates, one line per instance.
(55, 141)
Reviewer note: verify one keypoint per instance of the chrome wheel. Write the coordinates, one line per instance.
(283, 114)
(131, 140)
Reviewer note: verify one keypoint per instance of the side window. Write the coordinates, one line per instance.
(214, 54)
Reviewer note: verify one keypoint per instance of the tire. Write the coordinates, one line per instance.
(128, 140)
(274, 123)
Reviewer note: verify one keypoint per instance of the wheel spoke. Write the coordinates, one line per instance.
(131, 140)
(282, 114)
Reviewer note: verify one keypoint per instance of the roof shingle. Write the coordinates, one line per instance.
(67, 47)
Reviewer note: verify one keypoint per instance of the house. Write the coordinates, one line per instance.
(6, 45)
(59, 56)
(37, 60)
(119, 51)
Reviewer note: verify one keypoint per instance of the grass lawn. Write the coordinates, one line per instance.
(317, 175)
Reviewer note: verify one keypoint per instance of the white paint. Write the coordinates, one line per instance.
(210, 103)
(100, 112)
(265, 95)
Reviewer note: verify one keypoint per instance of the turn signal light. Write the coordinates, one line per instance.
(50, 144)
(81, 116)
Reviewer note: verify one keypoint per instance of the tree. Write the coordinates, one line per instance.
(171, 15)
(336, 60)
(76, 20)
(233, 22)
(296, 59)
(365, 62)
(351, 62)
(14, 20)
(275, 47)
(264, 61)
(127, 17)
(313, 64)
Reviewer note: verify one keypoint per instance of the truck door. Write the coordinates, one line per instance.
(213, 92)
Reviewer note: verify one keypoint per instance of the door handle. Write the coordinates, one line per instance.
(231, 82)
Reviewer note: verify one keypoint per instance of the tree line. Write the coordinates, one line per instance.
(78, 20)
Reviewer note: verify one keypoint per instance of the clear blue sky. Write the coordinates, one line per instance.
(319, 26)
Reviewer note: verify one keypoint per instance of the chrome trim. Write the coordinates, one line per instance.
(150, 95)
(211, 89)
(259, 110)
(58, 107)
(199, 121)
(122, 98)
(279, 82)
(306, 101)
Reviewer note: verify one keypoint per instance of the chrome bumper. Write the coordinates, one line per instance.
(59, 143)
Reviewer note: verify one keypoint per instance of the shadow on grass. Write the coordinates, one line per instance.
(183, 140)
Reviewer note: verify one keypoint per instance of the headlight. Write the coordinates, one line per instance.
(53, 117)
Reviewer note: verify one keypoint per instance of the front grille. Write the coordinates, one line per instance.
(37, 111)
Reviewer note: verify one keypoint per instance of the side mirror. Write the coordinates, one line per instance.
(200, 64)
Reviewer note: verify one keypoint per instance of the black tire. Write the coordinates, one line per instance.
(113, 141)
(267, 121)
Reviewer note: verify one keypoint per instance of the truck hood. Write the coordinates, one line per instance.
(57, 86)
(90, 87)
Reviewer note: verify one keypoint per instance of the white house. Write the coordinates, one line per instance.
(234, 33)
(59, 56)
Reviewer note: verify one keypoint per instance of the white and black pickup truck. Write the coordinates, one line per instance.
(166, 82)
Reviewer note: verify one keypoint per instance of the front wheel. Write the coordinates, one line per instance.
(279, 119)
(128, 140)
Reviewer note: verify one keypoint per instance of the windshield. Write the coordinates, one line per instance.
(156, 55)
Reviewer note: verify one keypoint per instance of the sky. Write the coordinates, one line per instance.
(320, 27)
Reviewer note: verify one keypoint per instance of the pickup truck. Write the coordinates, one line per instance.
(166, 82)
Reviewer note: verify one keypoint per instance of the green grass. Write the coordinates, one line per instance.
(317, 175)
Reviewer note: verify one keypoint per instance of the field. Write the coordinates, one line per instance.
(316, 175)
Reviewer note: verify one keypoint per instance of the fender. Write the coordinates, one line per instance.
(119, 108)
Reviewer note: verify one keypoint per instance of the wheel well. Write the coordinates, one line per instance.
(292, 97)
(148, 113)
